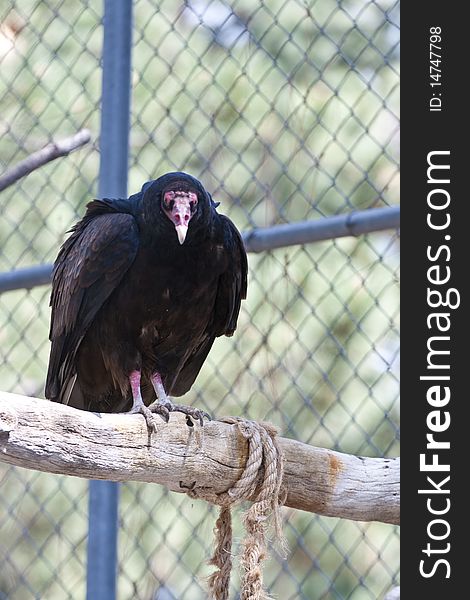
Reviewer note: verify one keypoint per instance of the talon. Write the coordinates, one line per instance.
(164, 409)
(164, 403)
(144, 411)
(189, 411)
(202, 414)
(161, 409)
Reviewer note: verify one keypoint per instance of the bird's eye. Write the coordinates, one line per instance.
(193, 205)
(169, 200)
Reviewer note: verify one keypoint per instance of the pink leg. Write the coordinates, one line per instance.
(158, 387)
(163, 405)
(134, 380)
(138, 405)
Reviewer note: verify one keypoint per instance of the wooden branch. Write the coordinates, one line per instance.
(38, 434)
(41, 157)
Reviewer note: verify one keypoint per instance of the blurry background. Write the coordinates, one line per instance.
(286, 110)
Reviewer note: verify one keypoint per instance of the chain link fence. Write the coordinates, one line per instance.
(287, 111)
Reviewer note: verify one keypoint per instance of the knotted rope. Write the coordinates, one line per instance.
(261, 482)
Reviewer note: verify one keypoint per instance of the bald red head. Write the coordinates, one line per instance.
(180, 206)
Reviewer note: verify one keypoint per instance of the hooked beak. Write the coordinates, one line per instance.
(181, 231)
(180, 215)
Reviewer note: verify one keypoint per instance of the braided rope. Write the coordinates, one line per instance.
(262, 474)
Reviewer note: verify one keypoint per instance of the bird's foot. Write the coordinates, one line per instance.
(165, 408)
(141, 409)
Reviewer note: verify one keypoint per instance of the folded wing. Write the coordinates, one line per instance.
(89, 267)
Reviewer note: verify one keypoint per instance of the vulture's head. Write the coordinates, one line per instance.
(179, 201)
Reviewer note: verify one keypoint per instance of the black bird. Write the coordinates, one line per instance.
(140, 291)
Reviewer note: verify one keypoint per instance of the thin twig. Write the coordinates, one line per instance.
(41, 157)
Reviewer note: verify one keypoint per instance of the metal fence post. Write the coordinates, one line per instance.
(114, 148)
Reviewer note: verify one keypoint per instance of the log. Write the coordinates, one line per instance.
(41, 435)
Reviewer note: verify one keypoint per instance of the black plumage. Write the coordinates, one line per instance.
(140, 290)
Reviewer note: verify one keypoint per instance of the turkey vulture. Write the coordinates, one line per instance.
(140, 291)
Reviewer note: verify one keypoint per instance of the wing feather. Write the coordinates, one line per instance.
(233, 281)
(88, 269)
